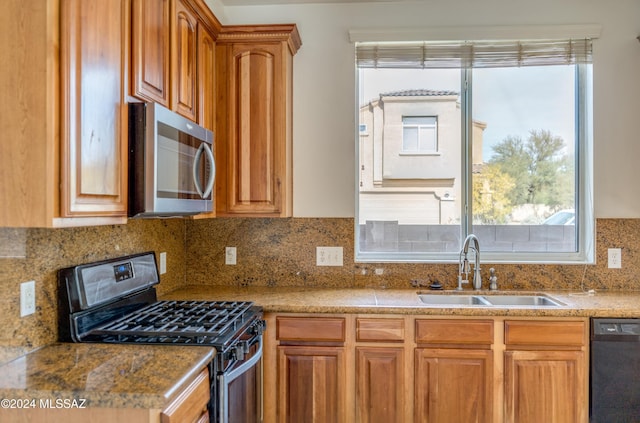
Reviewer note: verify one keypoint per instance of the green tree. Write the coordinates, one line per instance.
(542, 174)
(491, 187)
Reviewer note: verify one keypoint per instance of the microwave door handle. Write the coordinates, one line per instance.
(196, 162)
(212, 175)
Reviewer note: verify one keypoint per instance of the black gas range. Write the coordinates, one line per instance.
(115, 301)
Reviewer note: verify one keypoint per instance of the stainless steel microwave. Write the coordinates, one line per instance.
(171, 163)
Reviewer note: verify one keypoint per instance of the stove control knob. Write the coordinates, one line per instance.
(239, 351)
(259, 327)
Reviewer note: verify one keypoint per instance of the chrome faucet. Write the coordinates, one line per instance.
(463, 264)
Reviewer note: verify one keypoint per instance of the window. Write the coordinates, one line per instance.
(510, 123)
(419, 134)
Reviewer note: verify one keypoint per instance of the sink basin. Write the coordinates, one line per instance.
(490, 300)
(522, 300)
(445, 299)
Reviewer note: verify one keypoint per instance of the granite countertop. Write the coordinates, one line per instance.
(405, 301)
(149, 376)
(104, 375)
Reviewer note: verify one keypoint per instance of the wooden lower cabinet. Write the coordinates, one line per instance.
(544, 386)
(311, 384)
(380, 377)
(191, 404)
(453, 385)
(389, 368)
(188, 406)
(545, 372)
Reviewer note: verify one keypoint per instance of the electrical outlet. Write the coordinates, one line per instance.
(329, 256)
(230, 256)
(615, 258)
(163, 263)
(27, 298)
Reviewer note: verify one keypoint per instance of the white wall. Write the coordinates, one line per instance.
(324, 86)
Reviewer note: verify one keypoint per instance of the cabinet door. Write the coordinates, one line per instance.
(183, 61)
(380, 393)
(311, 384)
(150, 43)
(94, 49)
(453, 386)
(545, 386)
(257, 148)
(206, 78)
(191, 404)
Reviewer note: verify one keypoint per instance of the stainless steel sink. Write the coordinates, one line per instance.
(452, 299)
(491, 300)
(522, 300)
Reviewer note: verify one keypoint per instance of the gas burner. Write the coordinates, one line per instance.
(201, 322)
(115, 301)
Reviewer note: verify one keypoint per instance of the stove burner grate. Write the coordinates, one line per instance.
(180, 319)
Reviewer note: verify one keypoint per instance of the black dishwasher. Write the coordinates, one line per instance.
(614, 395)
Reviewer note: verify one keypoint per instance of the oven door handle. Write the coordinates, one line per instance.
(235, 373)
(226, 378)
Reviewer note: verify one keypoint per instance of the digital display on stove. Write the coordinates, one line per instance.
(123, 271)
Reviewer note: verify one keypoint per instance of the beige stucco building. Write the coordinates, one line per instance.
(410, 157)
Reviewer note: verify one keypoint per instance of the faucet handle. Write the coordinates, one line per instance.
(460, 282)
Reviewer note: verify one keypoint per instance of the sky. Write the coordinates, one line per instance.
(511, 101)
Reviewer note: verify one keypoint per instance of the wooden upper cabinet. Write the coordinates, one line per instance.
(29, 166)
(206, 78)
(173, 56)
(254, 120)
(150, 46)
(94, 46)
(63, 152)
(184, 49)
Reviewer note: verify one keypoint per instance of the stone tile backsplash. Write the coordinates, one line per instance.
(271, 252)
(37, 254)
(281, 252)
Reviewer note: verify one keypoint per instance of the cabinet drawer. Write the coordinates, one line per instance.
(314, 329)
(191, 404)
(530, 333)
(470, 332)
(379, 330)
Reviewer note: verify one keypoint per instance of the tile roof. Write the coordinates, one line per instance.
(418, 93)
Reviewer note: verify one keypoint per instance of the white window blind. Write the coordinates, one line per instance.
(473, 54)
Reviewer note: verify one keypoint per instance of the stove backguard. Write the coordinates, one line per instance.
(91, 285)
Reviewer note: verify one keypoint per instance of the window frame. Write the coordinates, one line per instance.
(418, 126)
(585, 221)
